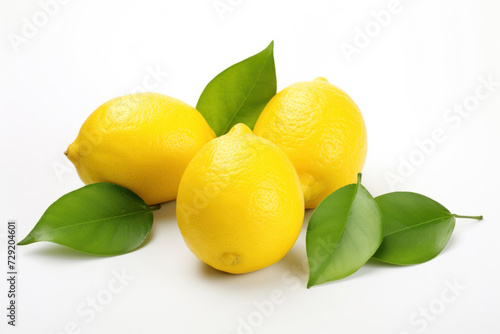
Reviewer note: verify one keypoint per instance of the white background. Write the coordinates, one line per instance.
(428, 58)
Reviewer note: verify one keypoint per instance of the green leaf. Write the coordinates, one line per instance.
(343, 233)
(100, 218)
(417, 228)
(239, 93)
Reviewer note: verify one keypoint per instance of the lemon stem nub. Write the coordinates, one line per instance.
(359, 178)
(154, 207)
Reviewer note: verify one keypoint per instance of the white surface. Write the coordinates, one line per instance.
(429, 57)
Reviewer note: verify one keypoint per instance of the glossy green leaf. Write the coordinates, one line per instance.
(343, 233)
(100, 218)
(239, 93)
(417, 228)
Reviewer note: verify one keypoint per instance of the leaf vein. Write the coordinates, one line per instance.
(97, 220)
(420, 224)
(325, 263)
(228, 126)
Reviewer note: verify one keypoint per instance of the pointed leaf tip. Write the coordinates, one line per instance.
(27, 240)
(239, 93)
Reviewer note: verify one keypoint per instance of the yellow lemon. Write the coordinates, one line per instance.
(143, 142)
(321, 130)
(240, 206)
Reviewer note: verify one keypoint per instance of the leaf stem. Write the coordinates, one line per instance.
(469, 217)
(359, 178)
(154, 207)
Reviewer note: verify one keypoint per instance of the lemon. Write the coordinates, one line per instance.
(240, 206)
(143, 142)
(321, 130)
